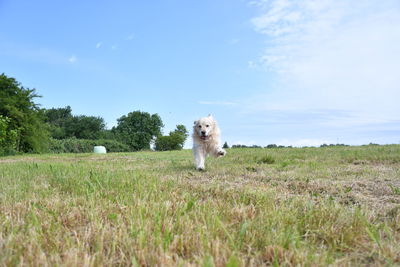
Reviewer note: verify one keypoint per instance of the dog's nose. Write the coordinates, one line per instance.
(203, 132)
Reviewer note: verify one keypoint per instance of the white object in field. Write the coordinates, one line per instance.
(99, 150)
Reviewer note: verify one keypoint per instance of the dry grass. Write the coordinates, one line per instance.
(335, 206)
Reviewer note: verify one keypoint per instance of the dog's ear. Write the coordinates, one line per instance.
(195, 122)
(210, 116)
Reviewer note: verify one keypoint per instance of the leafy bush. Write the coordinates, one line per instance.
(138, 129)
(64, 125)
(56, 146)
(168, 142)
(173, 141)
(8, 137)
(73, 145)
(26, 118)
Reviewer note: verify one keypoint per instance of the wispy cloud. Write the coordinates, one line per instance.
(218, 103)
(114, 47)
(130, 37)
(72, 59)
(40, 54)
(333, 54)
(251, 64)
(234, 41)
(99, 44)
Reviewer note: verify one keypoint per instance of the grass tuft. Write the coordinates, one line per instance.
(265, 159)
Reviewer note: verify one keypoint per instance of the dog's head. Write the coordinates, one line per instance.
(205, 127)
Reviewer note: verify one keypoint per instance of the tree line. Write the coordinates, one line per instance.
(279, 146)
(25, 127)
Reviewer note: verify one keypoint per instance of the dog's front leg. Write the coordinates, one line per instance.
(200, 157)
(218, 151)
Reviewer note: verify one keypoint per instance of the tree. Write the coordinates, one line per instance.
(64, 125)
(107, 135)
(57, 118)
(179, 135)
(225, 145)
(271, 146)
(25, 116)
(174, 141)
(138, 129)
(8, 137)
(164, 143)
(84, 127)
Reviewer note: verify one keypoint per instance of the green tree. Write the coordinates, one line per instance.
(64, 125)
(179, 135)
(85, 127)
(225, 145)
(174, 141)
(107, 135)
(8, 137)
(164, 143)
(26, 118)
(58, 118)
(138, 129)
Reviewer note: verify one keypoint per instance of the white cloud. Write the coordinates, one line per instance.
(130, 37)
(333, 54)
(72, 59)
(333, 74)
(114, 47)
(99, 44)
(251, 64)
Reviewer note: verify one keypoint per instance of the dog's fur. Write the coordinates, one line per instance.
(206, 141)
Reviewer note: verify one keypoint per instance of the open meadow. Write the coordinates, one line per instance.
(336, 206)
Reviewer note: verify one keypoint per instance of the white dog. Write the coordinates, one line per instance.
(206, 140)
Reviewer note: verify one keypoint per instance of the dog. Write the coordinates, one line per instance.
(206, 141)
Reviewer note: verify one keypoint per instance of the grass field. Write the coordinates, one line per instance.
(335, 206)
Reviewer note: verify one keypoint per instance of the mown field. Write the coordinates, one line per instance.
(337, 206)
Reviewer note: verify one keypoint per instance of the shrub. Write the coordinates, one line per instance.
(271, 146)
(138, 129)
(111, 145)
(56, 146)
(168, 142)
(174, 141)
(26, 117)
(73, 145)
(8, 137)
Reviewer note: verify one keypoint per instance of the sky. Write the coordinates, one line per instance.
(284, 72)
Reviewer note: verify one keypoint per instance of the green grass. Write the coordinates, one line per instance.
(311, 206)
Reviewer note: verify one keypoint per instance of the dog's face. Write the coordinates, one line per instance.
(204, 127)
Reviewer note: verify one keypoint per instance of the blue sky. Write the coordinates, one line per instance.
(281, 71)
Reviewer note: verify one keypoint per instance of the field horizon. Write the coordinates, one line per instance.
(337, 206)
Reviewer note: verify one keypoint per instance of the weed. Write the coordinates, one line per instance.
(395, 189)
(265, 159)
